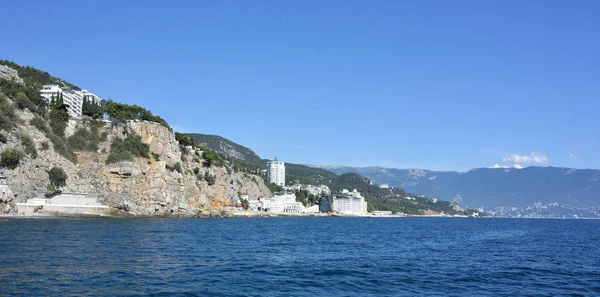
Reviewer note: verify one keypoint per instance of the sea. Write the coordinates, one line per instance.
(299, 257)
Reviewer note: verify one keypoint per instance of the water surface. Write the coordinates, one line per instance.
(299, 257)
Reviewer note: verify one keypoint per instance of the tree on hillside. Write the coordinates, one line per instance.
(91, 108)
(58, 177)
(58, 120)
(85, 106)
(57, 102)
(209, 178)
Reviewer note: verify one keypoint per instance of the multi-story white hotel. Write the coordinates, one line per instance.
(282, 203)
(349, 203)
(71, 97)
(276, 172)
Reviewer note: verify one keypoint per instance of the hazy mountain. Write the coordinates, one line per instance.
(485, 187)
(489, 187)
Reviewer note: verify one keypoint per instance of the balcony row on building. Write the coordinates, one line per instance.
(276, 172)
(348, 203)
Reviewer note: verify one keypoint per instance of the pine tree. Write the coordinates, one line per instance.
(85, 106)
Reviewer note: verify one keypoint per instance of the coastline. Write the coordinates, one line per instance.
(224, 214)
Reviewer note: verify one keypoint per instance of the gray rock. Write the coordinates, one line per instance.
(10, 74)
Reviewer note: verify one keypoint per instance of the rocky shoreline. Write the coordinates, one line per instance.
(216, 215)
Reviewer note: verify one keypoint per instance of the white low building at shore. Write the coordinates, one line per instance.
(282, 203)
(63, 204)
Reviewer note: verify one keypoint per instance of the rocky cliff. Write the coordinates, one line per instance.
(169, 183)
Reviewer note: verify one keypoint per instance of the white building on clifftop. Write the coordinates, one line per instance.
(276, 172)
(71, 96)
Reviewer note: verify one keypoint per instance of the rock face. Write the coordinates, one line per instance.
(144, 186)
(456, 207)
(10, 74)
(6, 199)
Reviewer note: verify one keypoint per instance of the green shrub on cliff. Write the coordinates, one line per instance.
(61, 147)
(125, 112)
(34, 100)
(212, 158)
(128, 148)
(50, 188)
(10, 158)
(184, 139)
(39, 123)
(59, 118)
(22, 102)
(84, 139)
(29, 146)
(2, 138)
(210, 179)
(8, 116)
(177, 167)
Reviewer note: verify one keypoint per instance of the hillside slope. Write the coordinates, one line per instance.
(294, 172)
(137, 167)
(226, 147)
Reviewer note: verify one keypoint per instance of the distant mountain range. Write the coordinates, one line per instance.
(481, 187)
(492, 187)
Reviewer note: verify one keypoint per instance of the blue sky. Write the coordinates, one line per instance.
(447, 85)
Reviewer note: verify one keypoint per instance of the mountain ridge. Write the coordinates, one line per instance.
(493, 187)
(225, 146)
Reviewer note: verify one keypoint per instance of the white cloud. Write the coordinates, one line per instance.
(517, 166)
(573, 156)
(533, 158)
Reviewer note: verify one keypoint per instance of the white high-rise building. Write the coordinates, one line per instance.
(71, 97)
(349, 203)
(276, 172)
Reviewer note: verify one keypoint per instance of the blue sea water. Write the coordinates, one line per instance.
(299, 257)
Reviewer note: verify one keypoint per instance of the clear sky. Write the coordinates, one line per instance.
(446, 85)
